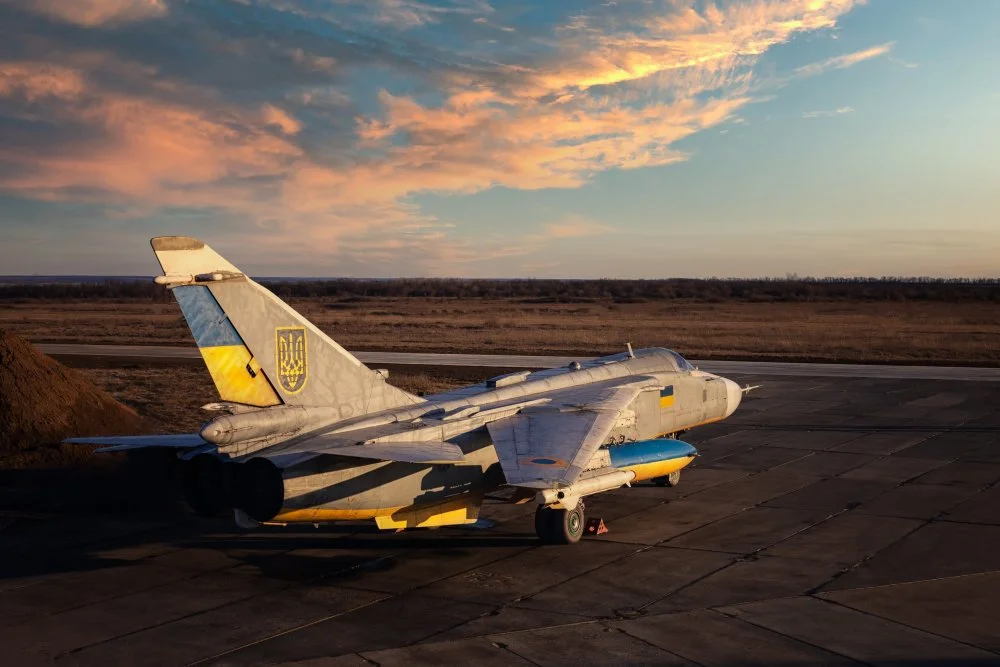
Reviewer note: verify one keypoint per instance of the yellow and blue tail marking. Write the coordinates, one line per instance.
(652, 458)
(667, 397)
(236, 374)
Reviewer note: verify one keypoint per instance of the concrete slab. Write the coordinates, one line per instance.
(713, 639)
(945, 399)
(628, 584)
(983, 507)
(507, 619)
(965, 609)
(527, 573)
(666, 521)
(884, 442)
(71, 630)
(750, 531)
(845, 539)
(755, 489)
(856, 635)
(831, 495)
(917, 501)
(464, 651)
(962, 473)
(79, 589)
(585, 644)
(803, 438)
(757, 459)
(225, 628)
(896, 469)
(613, 506)
(826, 464)
(749, 580)
(955, 444)
(418, 567)
(938, 549)
(370, 628)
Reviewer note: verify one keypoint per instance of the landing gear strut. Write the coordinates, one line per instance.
(559, 526)
(673, 479)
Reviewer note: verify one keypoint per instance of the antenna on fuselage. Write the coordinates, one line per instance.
(631, 354)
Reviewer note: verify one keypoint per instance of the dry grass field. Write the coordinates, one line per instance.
(170, 397)
(923, 332)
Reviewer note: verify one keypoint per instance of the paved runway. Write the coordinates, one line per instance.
(831, 520)
(143, 352)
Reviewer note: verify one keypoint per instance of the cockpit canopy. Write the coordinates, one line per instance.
(682, 363)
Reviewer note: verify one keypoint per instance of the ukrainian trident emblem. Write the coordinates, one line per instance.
(290, 358)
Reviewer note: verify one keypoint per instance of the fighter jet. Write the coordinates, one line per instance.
(305, 433)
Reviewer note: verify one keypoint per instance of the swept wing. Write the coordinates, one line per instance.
(550, 446)
(123, 443)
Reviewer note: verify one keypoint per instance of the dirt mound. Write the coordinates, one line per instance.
(43, 402)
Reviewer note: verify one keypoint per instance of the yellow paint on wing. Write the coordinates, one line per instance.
(445, 514)
(320, 514)
(452, 512)
(227, 364)
(644, 471)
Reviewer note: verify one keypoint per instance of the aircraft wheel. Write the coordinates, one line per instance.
(560, 526)
(673, 479)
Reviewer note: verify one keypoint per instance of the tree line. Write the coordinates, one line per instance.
(789, 289)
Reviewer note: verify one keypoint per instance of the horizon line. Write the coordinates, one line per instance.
(8, 278)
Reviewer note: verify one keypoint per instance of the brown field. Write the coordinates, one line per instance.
(170, 397)
(878, 332)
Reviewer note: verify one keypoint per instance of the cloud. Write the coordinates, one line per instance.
(94, 12)
(904, 63)
(272, 115)
(839, 111)
(844, 61)
(316, 122)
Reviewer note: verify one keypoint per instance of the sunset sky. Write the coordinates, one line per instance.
(486, 138)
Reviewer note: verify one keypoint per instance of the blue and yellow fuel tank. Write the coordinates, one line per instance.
(652, 458)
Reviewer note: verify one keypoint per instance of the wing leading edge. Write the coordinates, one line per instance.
(124, 443)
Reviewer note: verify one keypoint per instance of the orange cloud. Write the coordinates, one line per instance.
(94, 12)
(137, 147)
(584, 109)
(685, 39)
(272, 115)
(37, 81)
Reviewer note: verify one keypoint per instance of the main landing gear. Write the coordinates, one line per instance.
(560, 526)
(673, 479)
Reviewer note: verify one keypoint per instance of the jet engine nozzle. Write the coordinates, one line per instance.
(212, 485)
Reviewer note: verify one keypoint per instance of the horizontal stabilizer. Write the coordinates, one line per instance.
(116, 443)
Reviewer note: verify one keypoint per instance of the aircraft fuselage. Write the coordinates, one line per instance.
(398, 495)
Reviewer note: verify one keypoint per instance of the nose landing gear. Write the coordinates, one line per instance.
(560, 526)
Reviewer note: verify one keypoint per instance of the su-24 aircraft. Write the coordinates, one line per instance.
(305, 433)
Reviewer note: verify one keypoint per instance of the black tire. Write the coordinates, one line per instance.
(673, 479)
(560, 526)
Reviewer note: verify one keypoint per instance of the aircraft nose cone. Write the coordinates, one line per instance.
(734, 394)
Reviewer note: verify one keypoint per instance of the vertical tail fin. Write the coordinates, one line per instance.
(258, 350)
